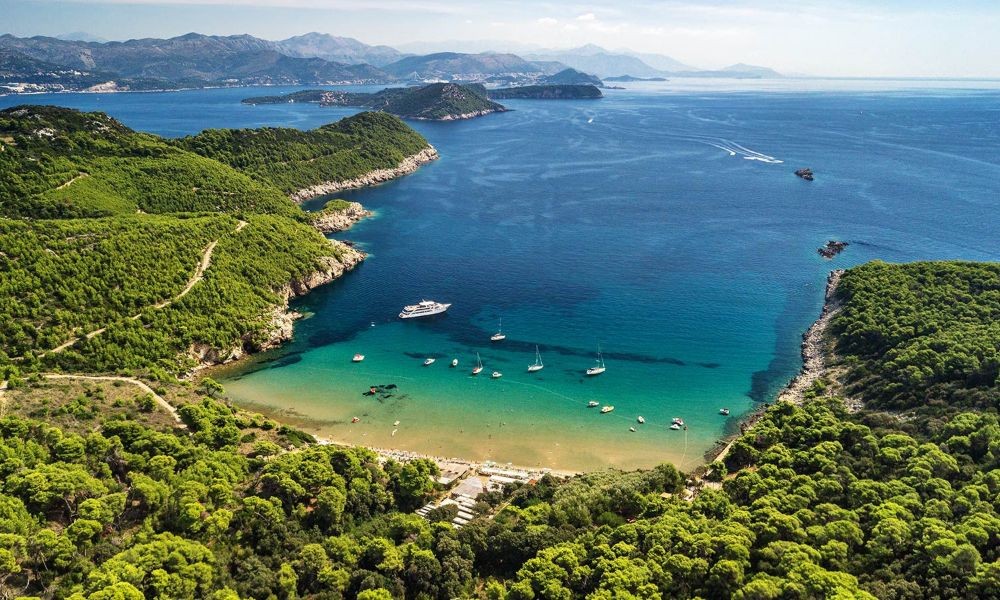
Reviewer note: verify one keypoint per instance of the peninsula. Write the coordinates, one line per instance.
(123, 250)
(433, 102)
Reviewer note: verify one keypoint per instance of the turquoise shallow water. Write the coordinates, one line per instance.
(638, 222)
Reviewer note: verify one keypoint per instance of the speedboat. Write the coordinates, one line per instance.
(496, 375)
(499, 335)
(632, 429)
(358, 358)
(355, 420)
(675, 426)
(454, 362)
(678, 421)
(598, 368)
(641, 420)
(424, 308)
(592, 404)
(538, 366)
(479, 365)
(428, 362)
(606, 409)
(395, 424)
(724, 412)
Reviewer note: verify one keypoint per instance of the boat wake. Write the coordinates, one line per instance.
(735, 149)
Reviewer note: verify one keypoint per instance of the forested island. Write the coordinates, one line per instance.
(433, 102)
(547, 92)
(879, 480)
(125, 251)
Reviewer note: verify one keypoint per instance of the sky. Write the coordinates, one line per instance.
(859, 38)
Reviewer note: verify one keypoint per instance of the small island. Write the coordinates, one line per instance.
(338, 215)
(433, 102)
(631, 78)
(832, 248)
(806, 174)
(547, 92)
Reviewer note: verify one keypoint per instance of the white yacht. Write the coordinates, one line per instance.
(358, 358)
(538, 366)
(428, 362)
(424, 308)
(592, 404)
(479, 365)
(606, 409)
(496, 375)
(454, 362)
(641, 420)
(598, 368)
(499, 335)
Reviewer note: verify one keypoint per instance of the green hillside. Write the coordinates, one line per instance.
(814, 502)
(124, 252)
(291, 159)
(59, 163)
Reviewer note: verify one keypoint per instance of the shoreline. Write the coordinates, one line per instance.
(813, 367)
(405, 167)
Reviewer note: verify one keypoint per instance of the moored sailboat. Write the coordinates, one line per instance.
(598, 368)
(538, 366)
(479, 365)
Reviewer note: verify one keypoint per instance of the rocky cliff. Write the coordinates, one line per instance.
(334, 220)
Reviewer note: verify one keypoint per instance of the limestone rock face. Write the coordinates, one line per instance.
(334, 221)
(408, 165)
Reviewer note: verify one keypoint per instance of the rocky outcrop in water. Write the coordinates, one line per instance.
(407, 166)
(831, 249)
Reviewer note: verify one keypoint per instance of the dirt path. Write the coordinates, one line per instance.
(199, 274)
(3, 398)
(159, 399)
(70, 182)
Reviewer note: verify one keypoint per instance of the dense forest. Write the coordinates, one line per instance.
(121, 251)
(813, 501)
(923, 334)
(291, 159)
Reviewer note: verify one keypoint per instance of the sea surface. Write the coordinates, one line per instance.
(662, 223)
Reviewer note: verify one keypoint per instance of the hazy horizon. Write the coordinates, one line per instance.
(855, 39)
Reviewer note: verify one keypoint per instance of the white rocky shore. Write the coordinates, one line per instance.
(280, 327)
(407, 166)
(332, 221)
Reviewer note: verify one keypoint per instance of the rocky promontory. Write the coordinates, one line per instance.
(338, 215)
(407, 166)
(279, 325)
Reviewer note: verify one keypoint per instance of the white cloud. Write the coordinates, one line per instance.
(587, 17)
(547, 21)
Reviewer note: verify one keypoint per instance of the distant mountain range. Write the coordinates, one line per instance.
(609, 64)
(195, 60)
(337, 49)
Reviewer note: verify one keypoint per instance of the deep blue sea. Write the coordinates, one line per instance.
(663, 222)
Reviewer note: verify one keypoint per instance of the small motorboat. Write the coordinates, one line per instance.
(355, 420)
(606, 409)
(675, 426)
(641, 420)
(724, 412)
(428, 362)
(632, 429)
(395, 424)
(454, 362)
(678, 421)
(496, 375)
(592, 404)
(479, 365)
(358, 358)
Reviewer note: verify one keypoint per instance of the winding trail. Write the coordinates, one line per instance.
(70, 182)
(199, 274)
(159, 399)
(3, 398)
